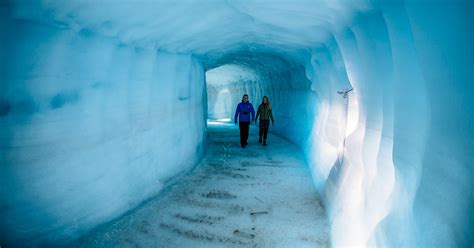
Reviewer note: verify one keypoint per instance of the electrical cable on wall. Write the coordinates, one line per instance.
(345, 95)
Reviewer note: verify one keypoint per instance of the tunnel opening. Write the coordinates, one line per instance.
(257, 72)
(225, 84)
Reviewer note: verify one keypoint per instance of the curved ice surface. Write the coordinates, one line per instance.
(101, 100)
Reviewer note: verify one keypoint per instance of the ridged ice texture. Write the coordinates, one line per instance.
(394, 158)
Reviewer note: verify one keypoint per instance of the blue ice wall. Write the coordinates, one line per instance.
(86, 100)
(89, 129)
(408, 162)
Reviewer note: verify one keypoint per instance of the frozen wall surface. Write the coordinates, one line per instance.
(89, 129)
(101, 102)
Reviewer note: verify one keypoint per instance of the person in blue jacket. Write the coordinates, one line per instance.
(243, 111)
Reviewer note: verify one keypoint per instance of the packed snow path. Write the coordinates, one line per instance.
(253, 197)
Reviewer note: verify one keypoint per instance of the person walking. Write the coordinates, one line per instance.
(265, 113)
(242, 113)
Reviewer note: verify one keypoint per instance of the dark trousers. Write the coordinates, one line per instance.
(263, 128)
(244, 132)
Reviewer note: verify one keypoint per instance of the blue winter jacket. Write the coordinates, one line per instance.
(243, 112)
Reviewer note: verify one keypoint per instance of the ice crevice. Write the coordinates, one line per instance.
(104, 104)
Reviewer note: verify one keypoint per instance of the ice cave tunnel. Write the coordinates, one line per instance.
(116, 123)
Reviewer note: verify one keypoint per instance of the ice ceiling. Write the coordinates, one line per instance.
(99, 97)
(203, 27)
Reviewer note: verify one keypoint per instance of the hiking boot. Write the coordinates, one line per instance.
(260, 139)
(264, 142)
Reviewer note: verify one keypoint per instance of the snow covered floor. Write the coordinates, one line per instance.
(253, 197)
